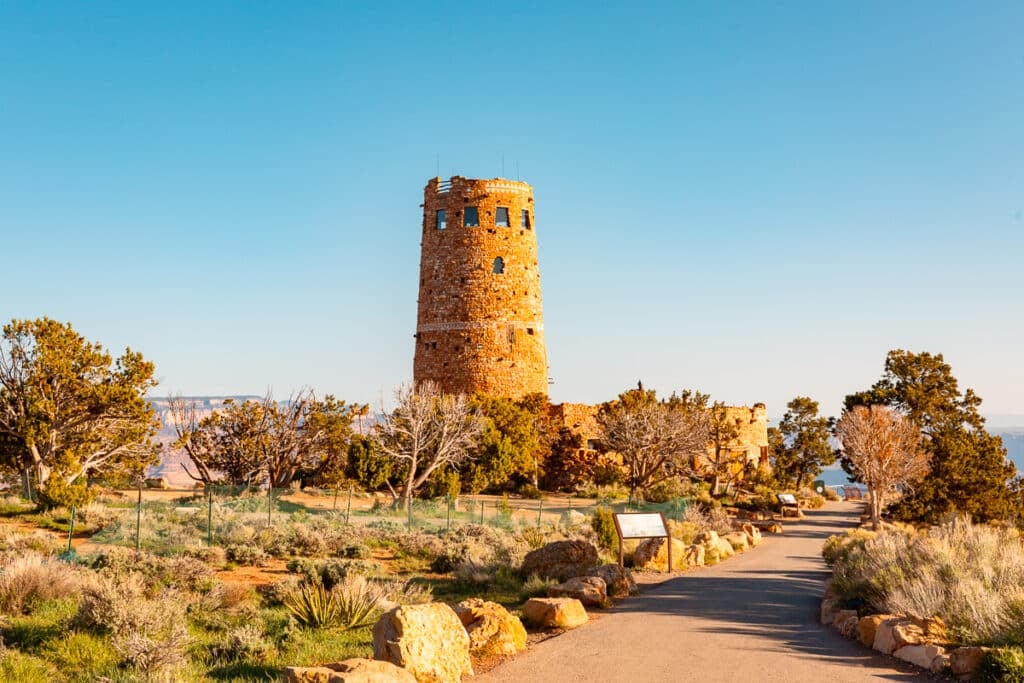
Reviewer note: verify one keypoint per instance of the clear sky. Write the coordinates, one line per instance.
(758, 200)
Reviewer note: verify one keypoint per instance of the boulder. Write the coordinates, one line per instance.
(964, 660)
(310, 674)
(829, 610)
(868, 626)
(940, 663)
(429, 640)
(693, 556)
(724, 548)
(914, 631)
(769, 527)
(491, 628)
(884, 641)
(920, 655)
(846, 622)
(555, 612)
(157, 483)
(753, 534)
(560, 560)
(589, 590)
(738, 541)
(618, 580)
(708, 539)
(652, 553)
(349, 671)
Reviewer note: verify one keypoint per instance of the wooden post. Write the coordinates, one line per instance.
(668, 539)
(71, 528)
(138, 520)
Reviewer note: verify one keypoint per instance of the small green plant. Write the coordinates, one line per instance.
(1002, 665)
(313, 606)
(536, 587)
(603, 523)
(358, 602)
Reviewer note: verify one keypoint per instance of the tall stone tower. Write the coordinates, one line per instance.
(479, 325)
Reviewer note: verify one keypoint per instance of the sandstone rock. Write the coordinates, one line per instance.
(738, 541)
(589, 590)
(914, 631)
(349, 671)
(940, 663)
(920, 655)
(652, 553)
(707, 539)
(491, 628)
(429, 640)
(618, 580)
(846, 622)
(693, 556)
(560, 560)
(555, 612)
(964, 660)
(724, 548)
(753, 534)
(829, 610)
(770, 527)
(868, 626)
(309, 674)
(884, 641)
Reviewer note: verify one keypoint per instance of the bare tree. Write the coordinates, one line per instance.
(884, 447)
(244, 443)
(656, 439)
(426, 430)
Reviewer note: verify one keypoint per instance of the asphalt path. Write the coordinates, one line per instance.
(750, 618)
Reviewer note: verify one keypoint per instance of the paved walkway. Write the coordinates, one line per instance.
(752, 618)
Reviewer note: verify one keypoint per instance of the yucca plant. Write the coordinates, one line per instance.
(314, 606)
(359, 601)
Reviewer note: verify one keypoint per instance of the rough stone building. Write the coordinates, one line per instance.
(479, 325)
(750, 444)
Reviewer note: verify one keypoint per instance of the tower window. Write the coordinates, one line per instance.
(440, 220)
(499, 266)
(501, 217)
(526, 219)
(529, 331)
(470, 217)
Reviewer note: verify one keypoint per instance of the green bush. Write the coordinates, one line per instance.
(603, 523)
(86, 656)
(18, 666)
(667, 490)
(49, 619)
(1002, 665)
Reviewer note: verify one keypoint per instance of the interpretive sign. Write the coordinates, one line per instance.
(642, 525)
(787, 499)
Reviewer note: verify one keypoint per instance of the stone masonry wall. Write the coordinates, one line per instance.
(751, 422)
(479, 324)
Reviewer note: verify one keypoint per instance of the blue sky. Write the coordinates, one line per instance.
(757, 199)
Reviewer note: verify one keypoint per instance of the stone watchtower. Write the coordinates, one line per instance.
(479, 325)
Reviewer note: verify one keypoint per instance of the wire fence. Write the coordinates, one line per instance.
(182, 520)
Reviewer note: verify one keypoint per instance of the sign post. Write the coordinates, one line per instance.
(640, 525)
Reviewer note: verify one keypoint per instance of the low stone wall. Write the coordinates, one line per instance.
(922, 642)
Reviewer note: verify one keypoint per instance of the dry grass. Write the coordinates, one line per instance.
(970, 575)
(31, 578)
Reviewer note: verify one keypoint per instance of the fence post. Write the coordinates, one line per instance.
(270, 502)
(209, 516)
(335, 505)
(348, 510)
(448, 513)
(540, 509)
(71, 528)
(409, 510)
(481, 513)
(138, 520)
